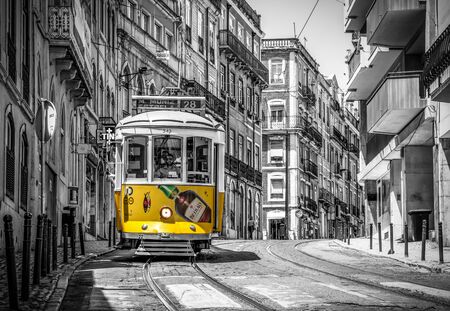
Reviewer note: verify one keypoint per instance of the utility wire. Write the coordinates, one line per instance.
(312, 11)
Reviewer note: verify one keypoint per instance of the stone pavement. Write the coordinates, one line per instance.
(52, 286)
(414, 249)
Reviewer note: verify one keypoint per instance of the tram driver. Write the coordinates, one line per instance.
(169, 169)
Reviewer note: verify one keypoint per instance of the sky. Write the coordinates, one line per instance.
(325, 38)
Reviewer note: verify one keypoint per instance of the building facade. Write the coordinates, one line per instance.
(398, 117)
(306, 156)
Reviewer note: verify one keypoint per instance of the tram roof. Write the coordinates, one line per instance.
(171, 119)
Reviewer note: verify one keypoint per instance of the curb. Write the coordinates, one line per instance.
(433, 268)
(59, 289)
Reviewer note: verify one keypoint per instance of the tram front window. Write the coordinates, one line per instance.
(137, 157)
(198, 160)
(167, 158)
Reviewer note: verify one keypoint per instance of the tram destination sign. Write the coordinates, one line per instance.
(183, 103)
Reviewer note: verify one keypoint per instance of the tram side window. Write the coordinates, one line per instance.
(167, 158)
(137, 157)
(198, 159)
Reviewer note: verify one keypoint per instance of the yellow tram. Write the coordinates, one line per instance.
(169, 183)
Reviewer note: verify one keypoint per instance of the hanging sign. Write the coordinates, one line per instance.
(46, 113)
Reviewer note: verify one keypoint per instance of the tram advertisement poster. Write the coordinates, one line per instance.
(187, 203)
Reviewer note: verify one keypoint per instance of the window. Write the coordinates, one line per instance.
(232, 204)
(241, 92)
(222, 77)
(158, 32)
(256, 48)
(188, 21)
(276, 115)
(131, 11)
(276, 71)
(145, 22)
(249, 152)
(276, 187)
(212, 42)
(169, 42)
(62, 142)
(240, 147)
(232, 24)
(257, 103)
(167, 158)
(198, 150)
(232, 86)
(240, 32)
(257, 158)
(248, 41)
(249, 99)
(136, 166)
(200, 29)
(275, 151)
(232, 142)
(10, 157)
(24, 171)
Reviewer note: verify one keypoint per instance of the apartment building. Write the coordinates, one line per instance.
(305, 148)
(397, 117)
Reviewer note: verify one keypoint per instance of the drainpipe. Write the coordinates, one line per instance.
(206, 43)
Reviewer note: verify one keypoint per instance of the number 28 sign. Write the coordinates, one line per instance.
(189, 103)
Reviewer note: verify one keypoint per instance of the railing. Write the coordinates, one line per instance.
(311, 168)
(258, 178)
(10, 173)
(213, 103)
(326, 196)
(287, 122)
(437, 58)
(315, 134)
(354, 149)
(243, 169)
(11, 58)
(228, 39)
(311, 204)
(248, 10)
(234, 165)
(277, 43)
(351, 118)
(250, 173)
(341, 139)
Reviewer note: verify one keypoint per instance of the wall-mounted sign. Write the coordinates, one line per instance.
(163, 55)
(46, 112)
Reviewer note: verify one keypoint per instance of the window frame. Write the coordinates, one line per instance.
(126, 160)
(282, 64)
(270, 178)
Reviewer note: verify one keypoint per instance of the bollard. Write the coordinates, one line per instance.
(114, 231)
(424, 237)
(11, 263)
(25, 292)
(72, 240)
(391, 238)
(109, 234)
(49, 244)
(80, 229)
(44, 247)
(65, 246)
(38, 252)
(406, 241)
(441, 243)
(348, 235)
(371, 235)
(380, 248)
(55, 247)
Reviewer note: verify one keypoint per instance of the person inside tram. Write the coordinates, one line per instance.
(169, 169)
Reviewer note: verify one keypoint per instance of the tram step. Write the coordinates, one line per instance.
(165, 248)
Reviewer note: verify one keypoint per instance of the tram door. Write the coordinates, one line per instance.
(277, 229)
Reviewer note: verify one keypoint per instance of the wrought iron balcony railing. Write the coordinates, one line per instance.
(315, 135)
(354, 149)
(213, 103)
(227, 40)
(311, 204)
(437, 58)
(283, 123)
(341, 139)
(311, 168)
(326, 196)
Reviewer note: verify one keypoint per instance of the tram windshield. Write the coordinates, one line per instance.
(137, 157)
(167, 158)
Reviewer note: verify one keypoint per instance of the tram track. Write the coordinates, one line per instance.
(172, 305)
(404, 293)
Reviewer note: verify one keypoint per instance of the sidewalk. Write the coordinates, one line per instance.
(52, 286)
(414, 249)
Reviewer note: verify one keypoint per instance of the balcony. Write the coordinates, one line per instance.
(315, 135)
(213, 104)
(353, 62)
(353, 149)
(395, 103)
(70, 49)
(230, 44)
(337, 170)
(232, 164)
(258, 178)
(326, 196)
(355, 16)
(351, 118)
(393, 23)
(341, 139)
(435, 72)
(283, 123)
(311, 204)
(242, 169)
(343, 207)
(311, 168)
(249, 12)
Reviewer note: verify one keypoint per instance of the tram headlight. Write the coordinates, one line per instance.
(166, 212)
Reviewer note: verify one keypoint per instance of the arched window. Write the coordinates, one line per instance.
(140, 85)
(249, 205)
(152, 89)
(126, 90)
(24, 171)
(10, 156)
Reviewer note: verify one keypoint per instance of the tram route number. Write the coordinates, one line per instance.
(172, 103)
